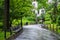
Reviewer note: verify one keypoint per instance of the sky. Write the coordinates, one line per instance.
(49, 1)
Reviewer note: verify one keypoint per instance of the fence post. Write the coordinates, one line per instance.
(53, 27)
(57, 29)
(50, 26)
(47, 26)
(5, 33)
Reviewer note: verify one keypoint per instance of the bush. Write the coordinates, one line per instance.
(1, 25)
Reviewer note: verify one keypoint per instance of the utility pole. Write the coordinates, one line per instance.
(6, 17)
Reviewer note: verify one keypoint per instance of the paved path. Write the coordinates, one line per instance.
(35, 32)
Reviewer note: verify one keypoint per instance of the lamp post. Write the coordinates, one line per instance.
(42, 13)
(35, 4)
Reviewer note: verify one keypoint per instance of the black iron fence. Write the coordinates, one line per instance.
(14, 32)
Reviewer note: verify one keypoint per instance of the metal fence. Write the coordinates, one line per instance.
(53, 28)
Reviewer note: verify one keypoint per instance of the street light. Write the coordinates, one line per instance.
(42, 14)
(35, 4)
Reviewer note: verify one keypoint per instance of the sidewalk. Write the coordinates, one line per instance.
(35, 32)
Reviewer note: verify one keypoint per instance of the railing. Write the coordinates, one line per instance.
(16, 31)
(53, 28)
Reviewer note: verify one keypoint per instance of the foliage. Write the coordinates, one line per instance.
(42, 3)
(20, 8)
(1, 12)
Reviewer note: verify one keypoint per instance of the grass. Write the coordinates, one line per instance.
(2, 35)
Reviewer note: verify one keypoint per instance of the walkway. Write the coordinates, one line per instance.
(35, 32)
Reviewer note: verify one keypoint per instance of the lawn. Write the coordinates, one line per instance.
(2, 35)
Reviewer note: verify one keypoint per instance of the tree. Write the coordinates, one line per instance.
(1, 13)
(42, 3)
(20, 8)
(6, 17)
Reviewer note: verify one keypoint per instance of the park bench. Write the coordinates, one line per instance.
(16, 29)
(16, 32)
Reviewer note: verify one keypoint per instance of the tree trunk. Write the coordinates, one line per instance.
(21, 20)
(6, 16)
(10, 27)
(55, 11)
